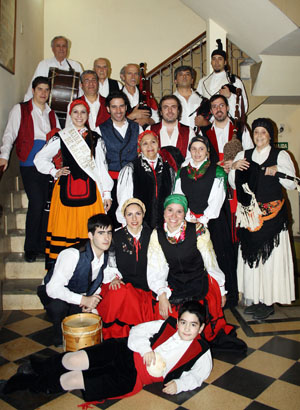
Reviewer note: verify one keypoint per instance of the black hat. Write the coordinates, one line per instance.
(219, 51)
(199, 138)
(267, 124)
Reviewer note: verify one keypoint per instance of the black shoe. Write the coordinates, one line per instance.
(263, 312)
(26, 368)
(250, 310)
(30, 256)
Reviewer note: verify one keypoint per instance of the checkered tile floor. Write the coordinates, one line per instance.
(266, 378)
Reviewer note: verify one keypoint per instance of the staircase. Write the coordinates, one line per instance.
(20, 278)
(161, 77)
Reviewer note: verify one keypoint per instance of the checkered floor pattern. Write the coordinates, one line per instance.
(266, 378)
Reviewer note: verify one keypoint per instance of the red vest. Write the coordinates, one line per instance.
(183, 136)
(25, 138)
(103, 114)
(211, 135)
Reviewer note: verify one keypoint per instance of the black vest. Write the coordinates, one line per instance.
(197, 191)
(113, 85)
(187, 275)
(267, 187)
(196, 349)
(119, 150)
(144, 188)
(133, 271)
(80, 282)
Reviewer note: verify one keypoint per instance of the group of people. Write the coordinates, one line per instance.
(150, 220)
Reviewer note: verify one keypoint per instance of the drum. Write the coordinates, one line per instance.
(64, 89)
(81, 330)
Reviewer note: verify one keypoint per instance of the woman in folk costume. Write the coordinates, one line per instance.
(265, 265)
(127, 300)
(182, 266)
(204, 185)
(148, 178)
(83, 185)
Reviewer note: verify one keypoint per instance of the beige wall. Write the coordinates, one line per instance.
(289, 116)
(30, 17)
(123, 31)
(289, 7)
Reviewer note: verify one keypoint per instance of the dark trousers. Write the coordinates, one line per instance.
(112, 212)
(57, 310)
(36, 186)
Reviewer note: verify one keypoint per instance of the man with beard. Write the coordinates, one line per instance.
(120, 136)
(219, 80)
(170, 130)
(221, 131)
(98, 112)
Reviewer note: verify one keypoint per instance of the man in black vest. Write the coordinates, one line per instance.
(120, 135)
(106, 85)
(73, 284)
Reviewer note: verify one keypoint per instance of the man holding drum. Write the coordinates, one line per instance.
(60, 48)
(73, 284)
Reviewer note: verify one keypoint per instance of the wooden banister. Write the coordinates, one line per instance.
(177, 54)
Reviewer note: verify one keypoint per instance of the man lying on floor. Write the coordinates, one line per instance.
(172, 352)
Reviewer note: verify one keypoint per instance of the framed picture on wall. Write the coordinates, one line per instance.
(8, 34)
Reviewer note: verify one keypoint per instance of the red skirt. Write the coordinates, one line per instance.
(125, 307)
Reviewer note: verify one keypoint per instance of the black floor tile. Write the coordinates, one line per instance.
(26, 400)
(3, 360)
(45, 336)
(15, 316)
(43, 354)
(7, 335)
(106, 404)
(244, 382)
(180, 398)
(282, 347)
(231, 357)
(258, 406)
(292, 375)
(181, 408)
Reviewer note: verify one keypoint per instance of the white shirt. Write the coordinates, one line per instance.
(166, 140)
(284, 165)
(171, 351)
(222, 135)
(63, 271)
(44, 164)
(104, 88)
(188, 107)
(215, 200)
(41, 126)
(43, 70)
(212, 83)
(125, 187)
(158, 268)
(134, 101)
(94, 109)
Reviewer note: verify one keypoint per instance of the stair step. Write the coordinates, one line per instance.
(16, 219)
(20, 294)
(14, 241)
(17, 199)
(15, 267)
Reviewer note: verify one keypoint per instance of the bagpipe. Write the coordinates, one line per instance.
(286, 176)
(147, 100)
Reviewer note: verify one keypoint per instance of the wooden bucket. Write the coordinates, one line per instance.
(81, 330)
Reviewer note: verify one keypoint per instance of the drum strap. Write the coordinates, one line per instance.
(81, 153)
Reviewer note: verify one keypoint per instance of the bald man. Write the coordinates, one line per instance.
(130, 75)
(107, 85)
